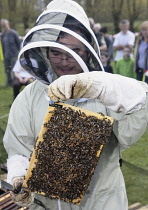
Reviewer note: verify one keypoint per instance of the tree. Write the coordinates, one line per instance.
(27, 11)
(1, 9)
(12, 7)
(89, 7)
(108, 12)
(116, 9)
(134, 9)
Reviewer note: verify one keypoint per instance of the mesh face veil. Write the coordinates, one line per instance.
(43, 45)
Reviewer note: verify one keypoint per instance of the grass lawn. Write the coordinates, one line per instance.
(6, 97)
(136, 183)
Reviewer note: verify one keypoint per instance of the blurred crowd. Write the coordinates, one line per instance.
(124, 53)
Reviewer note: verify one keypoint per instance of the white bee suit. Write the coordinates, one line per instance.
(107, 189)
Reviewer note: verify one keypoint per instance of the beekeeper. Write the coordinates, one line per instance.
(60, 51)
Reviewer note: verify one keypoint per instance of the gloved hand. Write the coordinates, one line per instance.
(22, 197)
(118, 93)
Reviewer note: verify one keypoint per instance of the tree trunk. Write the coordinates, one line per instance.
(26, 23)
(1, 8)
(116, 19)
(116, 8)
(12, 10)
(89, 6)
(134, 10)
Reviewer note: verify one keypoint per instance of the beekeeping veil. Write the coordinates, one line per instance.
(60, 16)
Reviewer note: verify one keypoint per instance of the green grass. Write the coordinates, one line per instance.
(136, 183)
(6, 98)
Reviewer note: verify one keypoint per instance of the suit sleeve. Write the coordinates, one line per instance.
(130, 127)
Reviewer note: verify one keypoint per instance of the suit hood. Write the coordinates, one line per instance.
(60, 17)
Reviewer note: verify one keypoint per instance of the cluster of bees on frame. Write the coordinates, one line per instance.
(66, 159)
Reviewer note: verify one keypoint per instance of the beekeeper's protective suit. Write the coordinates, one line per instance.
(122, 98)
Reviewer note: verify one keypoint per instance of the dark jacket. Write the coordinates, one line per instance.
(10, 44)
(139, 39)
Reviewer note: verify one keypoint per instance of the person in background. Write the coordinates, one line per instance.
(122, 39)
(104, 59)
(11, 46)
(21, 77)
(141, 53)
(125, 66)
(99, 36)
(109, 42)
(91, 22)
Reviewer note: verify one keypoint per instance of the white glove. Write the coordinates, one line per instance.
(118, 93)
(24, 197)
